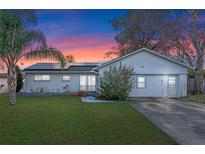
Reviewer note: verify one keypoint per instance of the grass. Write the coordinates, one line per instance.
(66, 120)
(196, 98)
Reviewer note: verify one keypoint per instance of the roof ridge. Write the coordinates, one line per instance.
(45, 63)
(148, 50)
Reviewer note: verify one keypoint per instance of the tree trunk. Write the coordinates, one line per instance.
(198, 79)
(12, 84)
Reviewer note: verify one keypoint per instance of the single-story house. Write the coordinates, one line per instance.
(155, 75)
(3, 83)
(50, 77)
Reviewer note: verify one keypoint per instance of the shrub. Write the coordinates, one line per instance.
(116, 83)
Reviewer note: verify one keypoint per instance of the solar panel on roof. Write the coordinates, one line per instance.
(75, 67)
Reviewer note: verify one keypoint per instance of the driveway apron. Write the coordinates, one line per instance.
(183, 121)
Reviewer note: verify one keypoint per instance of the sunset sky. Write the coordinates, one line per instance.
(86, 34)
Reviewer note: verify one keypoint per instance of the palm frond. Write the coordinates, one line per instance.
(9, 26)
(29, 40)
(34, 36)
(46, 53)
(26, 16)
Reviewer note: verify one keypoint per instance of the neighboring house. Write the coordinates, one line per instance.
(3, 83)
(155, 75)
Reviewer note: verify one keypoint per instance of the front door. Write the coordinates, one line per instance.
(172, 86)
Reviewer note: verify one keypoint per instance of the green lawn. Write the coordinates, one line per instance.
(196, 98)
(66, 120)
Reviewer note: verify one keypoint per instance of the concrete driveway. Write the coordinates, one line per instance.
(183, 121)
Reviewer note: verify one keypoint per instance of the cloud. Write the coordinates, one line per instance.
(81, 41)
(90, 54)
(85, 47)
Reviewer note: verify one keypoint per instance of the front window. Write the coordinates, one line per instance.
(41, 77)
(66, 78)
(141, 82)
(83, 82)
(87, 82)
(91, 83)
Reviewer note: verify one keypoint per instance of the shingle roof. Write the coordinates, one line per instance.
(82, 68)
(44, 66)
(70, 67)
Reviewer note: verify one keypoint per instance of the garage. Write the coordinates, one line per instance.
(155, 75)
(155, 86)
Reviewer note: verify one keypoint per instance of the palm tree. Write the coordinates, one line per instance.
(19, 38)
(69, 58)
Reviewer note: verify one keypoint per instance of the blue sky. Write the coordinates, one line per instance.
(79, 32)
(65, 23)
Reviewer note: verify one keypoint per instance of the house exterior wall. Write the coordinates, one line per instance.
(157, 86)
(55, 84)
(152, 84)
(183, 85)
(3, 85)
(156, 71)
(147, 63)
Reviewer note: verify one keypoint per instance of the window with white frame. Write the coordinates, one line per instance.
(83, 82)
(172, 81)
(66, 78)
(41, 77)
(91, 83)
(140, 82)
(87, 82)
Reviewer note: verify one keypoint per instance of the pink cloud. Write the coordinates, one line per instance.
(85, 48)
(79, 42)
